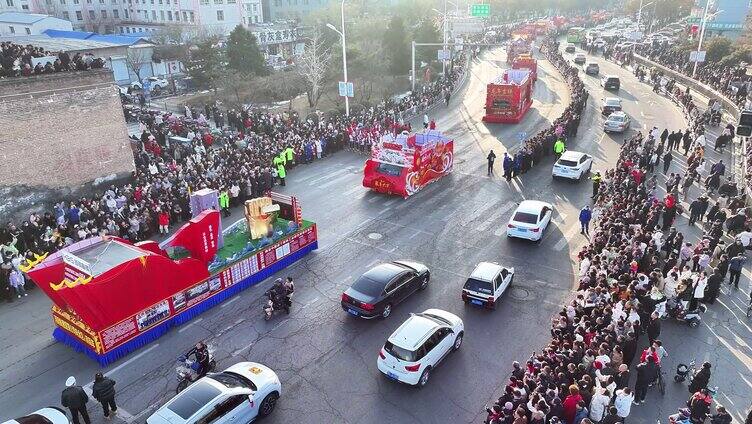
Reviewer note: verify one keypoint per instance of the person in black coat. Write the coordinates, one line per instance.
(653, 327)
(713, 287)
(629, 348)
(75, 399)
(104, 391)
(701, 380)
(647, 372)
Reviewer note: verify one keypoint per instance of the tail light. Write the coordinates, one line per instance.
(535, 230)
(345, 298)
(412, 368)
(490, 301)
(464, 295)
(510, 226)
(381, 354)
(367, 306)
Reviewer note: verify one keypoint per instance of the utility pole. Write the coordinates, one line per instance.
(344, 54)
(702, 35)
(446, 36)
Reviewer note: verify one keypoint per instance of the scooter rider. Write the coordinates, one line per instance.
(202, 357)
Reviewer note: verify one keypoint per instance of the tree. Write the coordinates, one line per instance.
(135, 59)
(206, 64)
(313, 65)
(426, 32)
(717, 48)
(244, 54)
(397, 46)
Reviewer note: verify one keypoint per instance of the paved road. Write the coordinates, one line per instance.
(325, 359)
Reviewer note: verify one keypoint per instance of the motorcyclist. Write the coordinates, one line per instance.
(201, 352)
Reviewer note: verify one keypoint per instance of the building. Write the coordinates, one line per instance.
(275, 10)
(727, 17)
(18, 23)
(279, 41)
(140, 16)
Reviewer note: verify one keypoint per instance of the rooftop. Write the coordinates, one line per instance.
(22, 18)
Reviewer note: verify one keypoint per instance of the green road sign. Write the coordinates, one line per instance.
(480, 10)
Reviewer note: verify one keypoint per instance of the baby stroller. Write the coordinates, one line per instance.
(683, 370)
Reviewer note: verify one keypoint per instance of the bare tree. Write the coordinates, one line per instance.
(313, 65)
(136, 58)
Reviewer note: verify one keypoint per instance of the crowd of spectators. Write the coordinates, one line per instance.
(231, 150)
(17, 60)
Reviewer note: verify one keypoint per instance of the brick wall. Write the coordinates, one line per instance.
(58, 134)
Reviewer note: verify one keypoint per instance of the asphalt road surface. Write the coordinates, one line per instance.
(325, 358)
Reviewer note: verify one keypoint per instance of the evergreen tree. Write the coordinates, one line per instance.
(205, 64)
(397, 46)
(426, 32)
(244, 54)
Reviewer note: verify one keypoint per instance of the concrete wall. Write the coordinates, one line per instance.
(61, 133)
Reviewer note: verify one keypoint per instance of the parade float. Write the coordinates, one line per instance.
(528, 62)
(406, 163)
(520, 45)
(509, 96)
(111, 297)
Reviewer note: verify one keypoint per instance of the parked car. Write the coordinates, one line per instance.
(156, 84)
(530, 220)
(592, 68)
(610, 82)
(573, 165)
(486, 284)
(240, 394)
(580, 58)
(617, 122)
(610, 105)
(49, 415)
(374, 293)
(415, 348)
(570, 48)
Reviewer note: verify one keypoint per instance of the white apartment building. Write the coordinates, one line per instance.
(16, 23)
(139, 16)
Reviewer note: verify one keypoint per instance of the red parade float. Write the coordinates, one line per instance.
(405, 164)
(527, 62)
(519, 46)
(509, 96)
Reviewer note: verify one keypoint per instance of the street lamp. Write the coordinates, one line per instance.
(639, 19)
(446, 33)
(705, 18)
(344, 54)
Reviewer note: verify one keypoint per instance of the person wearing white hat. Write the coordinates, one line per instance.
(74, 398)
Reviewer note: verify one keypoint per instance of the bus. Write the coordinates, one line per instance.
(576, 35)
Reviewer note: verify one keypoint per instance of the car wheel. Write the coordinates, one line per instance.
(424, 283)
(458, 341)
(423, 380)
(268, 404)
(182, 385)
(387, 311)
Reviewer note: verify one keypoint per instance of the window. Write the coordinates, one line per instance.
(204, 2)
(220, 15)
(104, 14)
(101, 1)
(169, 15)
(161, 15)
(25, 6)
(62, 2)
(9, 3)
(185, 15)
(66, 16)
(91, 15)
(79, 16)
(192, 17)
(154, 15)
(115, 13)
(125, 12)
(231, 1)
(177, 15)
(12, 30)
(218, 2)
(255, 8)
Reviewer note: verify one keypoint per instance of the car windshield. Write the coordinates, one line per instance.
(616, 118)
(389, 169)
(525, 217)
(565, 162)
(232, 380)
(399, 353)
(478, 286)
(368, 287)
(188, 402)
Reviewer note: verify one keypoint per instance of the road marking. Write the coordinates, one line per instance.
(373, 199)
(353, 190)
(391, 202)
(479, 212)
(485, 225)
(372, 263)
(499, 231)
(239, 320)
(230, 301)
(642, 114)
(385, 210)
(192, 323)
(571, 232)
(334, 181)
(326, 177)
(413, 235)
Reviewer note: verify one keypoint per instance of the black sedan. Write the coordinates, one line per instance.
(375, 293)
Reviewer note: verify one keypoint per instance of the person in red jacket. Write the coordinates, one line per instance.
(570, 403)
(164, 222)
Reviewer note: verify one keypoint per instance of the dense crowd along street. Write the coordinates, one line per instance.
(586, 265)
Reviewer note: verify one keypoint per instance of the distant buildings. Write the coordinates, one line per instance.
(16, 23)
(291, 9)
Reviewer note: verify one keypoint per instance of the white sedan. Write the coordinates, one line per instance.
(155, 84)
(240, 394)
(419, 344)
(571, 164)
(530, 220)
(50, 415)
(617, 122)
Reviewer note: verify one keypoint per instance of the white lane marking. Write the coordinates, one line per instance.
(327, 176)
(385, 210)
(372, 263)
(413, 235)
(571, 232)
(479, 212)
(353, 190)
(516, 186)
(499, 231)
(230, 301)
(334, 181)
(192, 323)
(494, 217)
(390, 202)
(373, 199)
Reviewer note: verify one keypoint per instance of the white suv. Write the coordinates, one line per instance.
(572, 165)
(486, 284)
(419, 344)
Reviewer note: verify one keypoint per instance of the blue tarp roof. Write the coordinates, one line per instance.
(123, 40)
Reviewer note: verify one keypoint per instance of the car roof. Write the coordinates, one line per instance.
(610, 76)
(618, 114)
(572, 155)
(612, 100)
(413, 331)
(532, 206)
(384, 272)
(486, 271)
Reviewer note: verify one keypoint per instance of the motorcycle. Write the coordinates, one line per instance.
(188, 370)
(276, 304)
(678, 309)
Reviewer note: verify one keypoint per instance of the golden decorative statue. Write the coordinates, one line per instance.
(259, 215)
